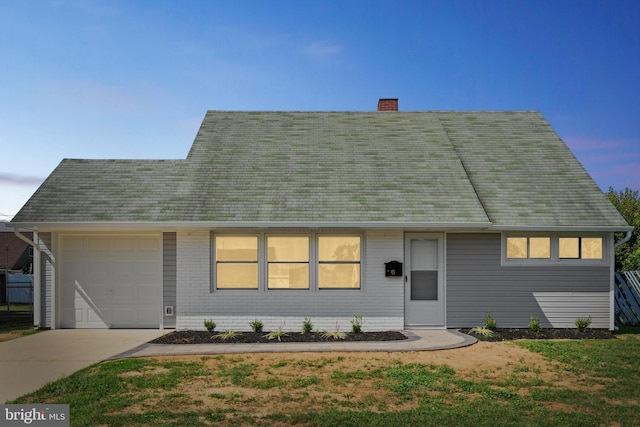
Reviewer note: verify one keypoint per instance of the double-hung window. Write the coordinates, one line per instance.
(264, 261)
(236, 262)
(339, 262)
(288, 262)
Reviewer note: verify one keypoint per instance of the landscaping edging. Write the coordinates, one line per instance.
(205, 337)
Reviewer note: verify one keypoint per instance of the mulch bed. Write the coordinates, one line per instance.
(204, 337)
(506, 334)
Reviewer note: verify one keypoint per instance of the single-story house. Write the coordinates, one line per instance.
(410, 219)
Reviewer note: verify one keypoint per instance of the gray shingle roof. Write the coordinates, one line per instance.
(507, 168)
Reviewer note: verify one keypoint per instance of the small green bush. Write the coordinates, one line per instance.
(210, 325)
(229, 335)
(534, 325)
(482, 331)
(356, 324)
(336, 335)
(256, 326)
(490, 322)
(276, 334)
(307, 326)
(582, 323)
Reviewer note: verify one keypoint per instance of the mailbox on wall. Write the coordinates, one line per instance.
(393, 269)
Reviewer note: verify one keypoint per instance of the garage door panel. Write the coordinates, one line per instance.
(107, 282)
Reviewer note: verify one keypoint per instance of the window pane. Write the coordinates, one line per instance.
(339, 276)
(339, 248)
(592, 247)
(424, 285)
(237, 276)
(288, 249)
(539, 247)
(288, 276)
(236, 248)
(516, 247)
(424, 254)
(569, 247)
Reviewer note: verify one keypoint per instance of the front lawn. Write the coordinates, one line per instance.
(528, 383)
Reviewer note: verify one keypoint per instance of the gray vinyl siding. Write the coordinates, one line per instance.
(169, 277)
(477, 284)
(46, 279)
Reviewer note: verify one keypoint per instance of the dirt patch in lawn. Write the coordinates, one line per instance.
(263, 384)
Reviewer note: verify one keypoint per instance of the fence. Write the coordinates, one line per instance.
(627, 298)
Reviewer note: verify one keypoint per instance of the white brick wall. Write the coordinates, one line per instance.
(380, 301)
(290, 323)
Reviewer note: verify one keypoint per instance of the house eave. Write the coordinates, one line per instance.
(164, 225)
(574, 228)
(156, 225)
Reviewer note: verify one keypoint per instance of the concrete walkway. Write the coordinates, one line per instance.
(28, 363)
(419, 340)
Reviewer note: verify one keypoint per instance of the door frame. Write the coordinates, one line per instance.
(442, 278)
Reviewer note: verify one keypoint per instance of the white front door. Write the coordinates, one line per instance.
(424, 298)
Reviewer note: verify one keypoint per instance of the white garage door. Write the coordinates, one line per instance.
(111, 281)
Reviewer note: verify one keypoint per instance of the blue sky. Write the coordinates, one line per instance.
(133, 79)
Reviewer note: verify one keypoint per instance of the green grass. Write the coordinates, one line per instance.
(590, 383)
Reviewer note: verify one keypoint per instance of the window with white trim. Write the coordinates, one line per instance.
(339, 262)
(288, 262)
(236, 262)
(580, 247)
(558, 248)
(265, 261)
(528, 247)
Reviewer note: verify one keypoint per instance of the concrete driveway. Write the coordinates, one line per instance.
(30, 362)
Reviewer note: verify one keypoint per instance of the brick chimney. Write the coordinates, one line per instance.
(388, 104)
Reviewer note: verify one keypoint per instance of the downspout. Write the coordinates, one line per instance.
(624, 240)
(36, 274)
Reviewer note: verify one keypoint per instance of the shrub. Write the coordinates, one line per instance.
(229, 335)
(307, 326)
(582, 323)
(210, 325)
(534, 325)
(276, 334)
(356, 324)
(256, 325)
(490, 322)
(482, 331)
(336, 335)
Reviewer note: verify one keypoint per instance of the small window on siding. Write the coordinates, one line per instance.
(580, 247)
(288, 262)
(528, 247)
(338, 262)
(236, 262)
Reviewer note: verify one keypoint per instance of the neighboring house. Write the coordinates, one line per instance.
(279, 216)
(16, 256)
